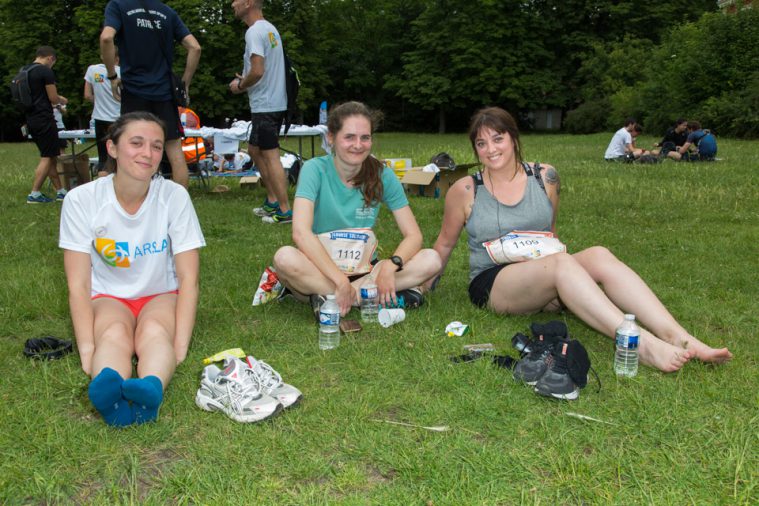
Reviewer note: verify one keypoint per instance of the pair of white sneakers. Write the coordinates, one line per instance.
(246, 391)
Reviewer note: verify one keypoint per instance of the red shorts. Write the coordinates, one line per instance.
(134, 305)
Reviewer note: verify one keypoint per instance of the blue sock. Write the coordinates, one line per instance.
(105, 394)
(146, 395)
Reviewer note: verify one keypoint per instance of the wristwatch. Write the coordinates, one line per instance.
(398, 261)
(114, 76)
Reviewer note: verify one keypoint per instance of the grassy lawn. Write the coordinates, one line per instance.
(690, 230)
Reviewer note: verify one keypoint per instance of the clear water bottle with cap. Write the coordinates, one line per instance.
(626, 355)
(329, 324)
(369, 300)
(92, 125)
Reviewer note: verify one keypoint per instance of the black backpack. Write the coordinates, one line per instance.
(292, 86)
(21, 92)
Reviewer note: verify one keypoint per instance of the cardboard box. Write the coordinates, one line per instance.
(249, 181)
(74, 172)
(429, 184)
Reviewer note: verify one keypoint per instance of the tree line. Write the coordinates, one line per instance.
(428, 64)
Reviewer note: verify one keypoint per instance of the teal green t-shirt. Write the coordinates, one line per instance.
(337, 206)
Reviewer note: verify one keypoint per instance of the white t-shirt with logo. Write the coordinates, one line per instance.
(106, 107)
(132, 255)
(269, 93)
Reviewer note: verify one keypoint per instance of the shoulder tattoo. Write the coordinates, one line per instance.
(552, 177)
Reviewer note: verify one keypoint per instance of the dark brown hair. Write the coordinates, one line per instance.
(694, 125)
(498, 120)
(369, 177)
(45, 51)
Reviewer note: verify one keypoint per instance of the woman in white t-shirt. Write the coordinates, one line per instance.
(130, 243)
(336, 204)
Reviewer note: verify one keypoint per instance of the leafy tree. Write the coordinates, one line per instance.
(708, 71)
(467, 53)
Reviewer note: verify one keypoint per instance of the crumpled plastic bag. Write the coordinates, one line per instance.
(269, 287)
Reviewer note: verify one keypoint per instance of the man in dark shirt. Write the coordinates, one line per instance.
(41, 124)
(673, 139)
(146, 49)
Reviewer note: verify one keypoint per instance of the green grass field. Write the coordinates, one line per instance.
(687, 438)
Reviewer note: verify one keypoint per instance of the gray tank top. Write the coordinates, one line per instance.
(533, 212)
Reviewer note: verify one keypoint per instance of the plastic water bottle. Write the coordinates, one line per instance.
(323, 113)
(369, 300)
(92, 124)
(183, 119)
(626, 355)
(329, 324)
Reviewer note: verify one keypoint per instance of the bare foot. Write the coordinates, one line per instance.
(706, 353)
(661, 355)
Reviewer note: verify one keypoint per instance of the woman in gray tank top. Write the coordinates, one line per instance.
(593, 284)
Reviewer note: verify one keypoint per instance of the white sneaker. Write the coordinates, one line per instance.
(235, 393)
(271, 382)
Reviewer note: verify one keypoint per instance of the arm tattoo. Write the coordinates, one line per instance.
(552, 177)
(468, 187)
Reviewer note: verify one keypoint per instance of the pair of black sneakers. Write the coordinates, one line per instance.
(551, 362)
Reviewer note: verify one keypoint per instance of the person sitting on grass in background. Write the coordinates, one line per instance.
(700, 146)
(621, 146)
(335, 208)
(637, 152)
(675, 137)
(508, 195)
(130, 243)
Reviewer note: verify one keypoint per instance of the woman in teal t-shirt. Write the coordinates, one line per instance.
(335, 208)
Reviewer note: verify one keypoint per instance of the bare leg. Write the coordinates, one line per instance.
(154, 338)
(113, 328)
(179, 172)
(299, 274)
(46, 168)
(114, 337)
(273, 175)
(52, 173)
(530, 286)
(154, 346)
(631, 294)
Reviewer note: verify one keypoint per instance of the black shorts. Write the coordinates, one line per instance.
(482, 284)
(165, 110)
(45, 136)
(264, 129)
(667, 147)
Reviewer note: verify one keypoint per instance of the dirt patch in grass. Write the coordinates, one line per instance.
(376, 476)
(136, 483)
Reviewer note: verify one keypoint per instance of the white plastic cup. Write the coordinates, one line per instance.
(388, 317)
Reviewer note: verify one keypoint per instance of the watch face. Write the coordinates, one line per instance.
(397, 261)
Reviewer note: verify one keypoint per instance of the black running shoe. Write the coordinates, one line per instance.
(556, 381)
(532, 366)
(316, 301)
(410, 298)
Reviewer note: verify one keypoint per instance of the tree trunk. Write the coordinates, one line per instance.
(441, 121)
